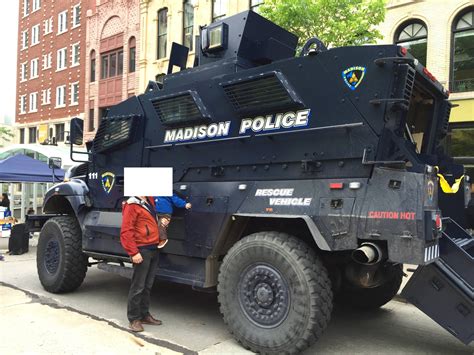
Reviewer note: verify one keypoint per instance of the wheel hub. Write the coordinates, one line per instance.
(51, 256)
(264, 295)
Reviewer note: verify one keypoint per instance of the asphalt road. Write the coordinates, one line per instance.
(192, 320)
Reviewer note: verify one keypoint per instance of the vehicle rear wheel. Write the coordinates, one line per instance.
(375, 297)
(60, 262)
(275, 293)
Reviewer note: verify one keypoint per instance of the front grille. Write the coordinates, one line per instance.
(261, 93)
(114, 132)
(180, 108)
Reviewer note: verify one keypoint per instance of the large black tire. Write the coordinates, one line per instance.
(372, 298)
(60, 262)
(275, 293)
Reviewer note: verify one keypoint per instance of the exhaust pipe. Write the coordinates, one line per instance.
(367, 254)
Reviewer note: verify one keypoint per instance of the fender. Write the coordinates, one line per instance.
(314, 230)
(75, 192)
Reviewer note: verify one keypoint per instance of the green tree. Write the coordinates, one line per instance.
(5, 134)
(335, 22)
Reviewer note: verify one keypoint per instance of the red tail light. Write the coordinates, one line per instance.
(439, 222)
(403, 51)
(336, 185)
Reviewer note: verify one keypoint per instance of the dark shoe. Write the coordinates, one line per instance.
(150, 320)
(136, 326)
(162, 243)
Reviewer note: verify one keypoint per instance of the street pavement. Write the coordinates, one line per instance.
(96, 315)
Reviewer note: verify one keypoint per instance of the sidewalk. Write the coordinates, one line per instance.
(30, 326)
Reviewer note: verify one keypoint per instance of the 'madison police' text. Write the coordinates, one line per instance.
(279, 121)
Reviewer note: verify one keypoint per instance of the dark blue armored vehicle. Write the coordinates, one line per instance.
(313, 179)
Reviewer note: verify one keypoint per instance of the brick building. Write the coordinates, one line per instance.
(112, 40)
(51, 62)
(440, 34)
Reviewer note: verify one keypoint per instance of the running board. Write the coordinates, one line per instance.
(444, 290)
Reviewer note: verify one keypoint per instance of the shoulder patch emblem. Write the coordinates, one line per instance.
(353, 76)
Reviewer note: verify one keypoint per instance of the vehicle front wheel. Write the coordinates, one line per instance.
(60, 262)
(275, 293)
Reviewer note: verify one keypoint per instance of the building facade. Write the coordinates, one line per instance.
(167, 21)
(51, 62)
(112, 43)
(440, 34)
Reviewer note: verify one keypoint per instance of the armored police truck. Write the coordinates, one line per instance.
(313, 179)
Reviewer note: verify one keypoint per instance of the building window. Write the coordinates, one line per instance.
(46, 97)
(219, 9)
(188, 24)
(75, 54)
(60, 132)
(32, 135)
(23, 104)
(22, 136)
(47, 60)
(76, 15)
(413, 36)
(131, 55)
(61, 96)
(35, 32)
(92, 75)
(24, 39)
(459, 143)
(91, 120)
(62, 22)
(61, 59)
(111, 64)
(162, 33)
(48, 26)
(33, 102)
(36, 5)
(34, 68)
(462, 65)
(254, 5)
(23, 71)
(74, 93)
(26, 7)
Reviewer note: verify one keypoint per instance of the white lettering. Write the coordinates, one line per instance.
(274, 192)
(271, 122)
(296, 201)
(220, 129)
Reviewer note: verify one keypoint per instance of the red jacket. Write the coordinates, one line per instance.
(139, 227)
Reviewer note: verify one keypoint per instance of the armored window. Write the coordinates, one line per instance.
(219, 9)
(162, 33)
(188, 24)
(131, 55)
(413, 36)
(255, 4)
(114, 132)
(92, 73)
(462, 62)
(159, 78)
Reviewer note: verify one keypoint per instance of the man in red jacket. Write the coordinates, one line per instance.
(140, 237)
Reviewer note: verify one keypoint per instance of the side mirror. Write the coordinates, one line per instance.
(76, 131)
(54, 163)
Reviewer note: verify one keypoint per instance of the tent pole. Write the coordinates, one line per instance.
(35, 197)
(11, 196)
(24, 198)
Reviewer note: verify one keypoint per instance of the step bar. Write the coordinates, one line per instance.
(444, 290)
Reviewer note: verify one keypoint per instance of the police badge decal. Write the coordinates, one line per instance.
(108, 180)
(353, 76)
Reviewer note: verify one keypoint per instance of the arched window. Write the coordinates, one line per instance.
(131, 55)
(462, 67)
(92, 74)
(188, 24)
(413, 36)
(162, 33)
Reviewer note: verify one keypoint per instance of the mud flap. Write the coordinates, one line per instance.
(444, 290)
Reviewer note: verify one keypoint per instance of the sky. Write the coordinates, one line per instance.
(9, 31)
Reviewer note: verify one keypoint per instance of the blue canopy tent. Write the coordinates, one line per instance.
(21, 168)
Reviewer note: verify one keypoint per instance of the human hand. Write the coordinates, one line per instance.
(188, 206)
(165, 222)
(137, 258)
